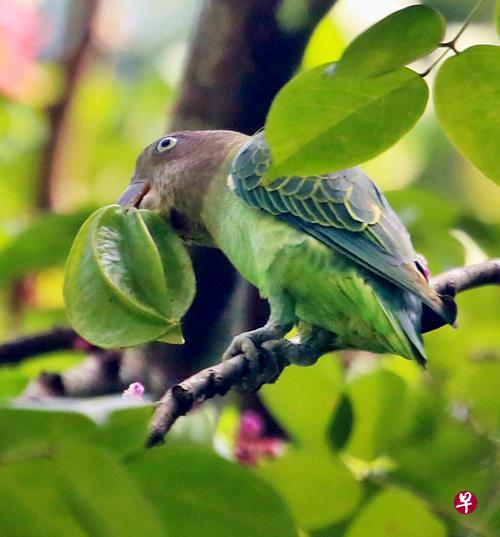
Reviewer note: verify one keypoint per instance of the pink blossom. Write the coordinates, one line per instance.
(21, 37)
(81, 344)
(251, 444)
(135, 392)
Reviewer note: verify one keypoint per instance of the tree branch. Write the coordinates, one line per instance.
(18, 349)
(220, 378)
(79, 22)
(457, 280)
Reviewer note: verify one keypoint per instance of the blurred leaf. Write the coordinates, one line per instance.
(396, 513)
(497, 16)
(197, 493)
(466, 99)
(456, 458)
(44, 243)
(12, 382)
(125, 431)
(291, 15)
(32, 504)
(102, 497)
(429, 218)
(384, 412)
(55, 362)
(467, 361)
(457, 10)
(35, 427)
(399, 39)
(128, 279)
(342, 423)
(320, 122)
(318, 488)
(325, 45)
(74, 490)
(13, 379)
(303, 399)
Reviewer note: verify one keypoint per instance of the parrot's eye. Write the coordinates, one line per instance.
(165, 144)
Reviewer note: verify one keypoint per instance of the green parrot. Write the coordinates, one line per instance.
(328, 252)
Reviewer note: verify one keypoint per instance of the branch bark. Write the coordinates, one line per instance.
(18, 349)
(220, 378)
(77, 42)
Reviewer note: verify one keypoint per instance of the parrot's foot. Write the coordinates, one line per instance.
(264, 365)
(306, 348)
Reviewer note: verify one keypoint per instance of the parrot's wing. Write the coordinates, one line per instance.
(343, 210)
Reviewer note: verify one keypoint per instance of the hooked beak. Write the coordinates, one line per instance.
(134, 194)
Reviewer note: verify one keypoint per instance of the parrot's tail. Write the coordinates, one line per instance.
(404, 309)
(447, 315)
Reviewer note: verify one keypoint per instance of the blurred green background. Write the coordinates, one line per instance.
(373, 446)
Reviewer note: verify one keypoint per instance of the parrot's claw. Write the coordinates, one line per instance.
(264, 365)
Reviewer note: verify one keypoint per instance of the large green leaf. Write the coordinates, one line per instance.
(396, 513)
(198, 493)
(31, 504)
(384, 412)
(306, 418)
(44, 243)
(466, 96)
(319, 123)
(318, 488)
(128, 279)
(73, 490)
(397, 40)
(102, 496)
(38, 427)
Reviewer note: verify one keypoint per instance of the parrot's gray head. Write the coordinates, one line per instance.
(173, 173)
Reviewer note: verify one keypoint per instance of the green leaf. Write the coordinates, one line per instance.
(102, 496)
(384, 412)
(399, 39)
(32, 427)
(198, 493)
(466, 96)
(44, 243)
(319, 123)
(128, 279)
(317, 486)
(396, 513)
(125, 431)
(342, 423)
(306, 418)
(75, 490)
(34, 507)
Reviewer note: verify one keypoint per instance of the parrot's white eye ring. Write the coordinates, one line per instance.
(165, 144)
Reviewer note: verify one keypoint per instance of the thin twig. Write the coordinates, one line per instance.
(467, 21)
(451, 45)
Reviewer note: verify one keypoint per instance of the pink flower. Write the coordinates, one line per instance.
(81, 344)
(251, 444)
(135, 392)
(21, 37)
